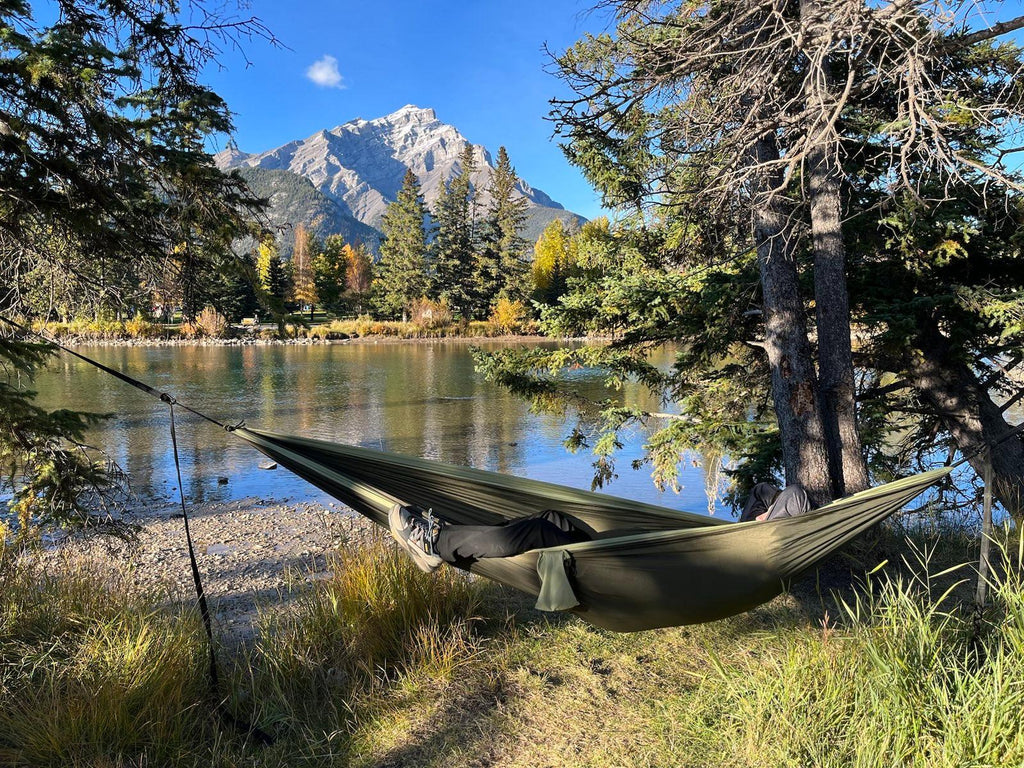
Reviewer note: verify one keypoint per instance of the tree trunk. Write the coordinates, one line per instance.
(847, 465)
(953, 390)
(794, 384)
(837, 390)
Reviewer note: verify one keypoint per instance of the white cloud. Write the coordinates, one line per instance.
(325, 73)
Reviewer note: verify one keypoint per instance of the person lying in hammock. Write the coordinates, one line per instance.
(431, 542)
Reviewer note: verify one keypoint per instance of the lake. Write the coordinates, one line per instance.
(417, 398)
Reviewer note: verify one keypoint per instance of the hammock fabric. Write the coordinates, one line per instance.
(648, 567)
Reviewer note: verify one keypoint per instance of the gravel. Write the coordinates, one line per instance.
(248, 551)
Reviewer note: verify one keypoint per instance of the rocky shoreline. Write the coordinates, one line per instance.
(249, 552)
(256, 341)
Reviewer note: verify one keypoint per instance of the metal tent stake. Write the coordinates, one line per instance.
(986, 531)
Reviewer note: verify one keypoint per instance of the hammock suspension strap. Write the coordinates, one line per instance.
(204, 610)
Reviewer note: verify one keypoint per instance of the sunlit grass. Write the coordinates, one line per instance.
(90, 671)
(382, 664)
(374, 620)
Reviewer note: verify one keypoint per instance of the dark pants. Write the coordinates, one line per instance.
(459, 543)
(765, 497)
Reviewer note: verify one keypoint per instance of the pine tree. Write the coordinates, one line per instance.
(754, 145)
(233, 291)
(501, 268)
(454, 245)
(329, 268)
(402, 275)
(103, 130)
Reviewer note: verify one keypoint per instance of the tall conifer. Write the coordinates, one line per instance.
(329, 272)
(455, 244)
(402, 273)
(501, 268)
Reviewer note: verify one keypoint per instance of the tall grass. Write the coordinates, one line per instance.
(105, 329)
(374, 620)
(92, 671)
(382, 664)
(908, 677)
(89, 670)
(435, 327)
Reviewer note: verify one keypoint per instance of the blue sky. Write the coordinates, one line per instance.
(479, 64)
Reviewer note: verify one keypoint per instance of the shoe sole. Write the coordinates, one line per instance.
(422, 561)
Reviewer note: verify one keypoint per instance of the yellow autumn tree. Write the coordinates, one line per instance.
(553, 260)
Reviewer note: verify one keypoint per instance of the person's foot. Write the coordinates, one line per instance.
(416, 535)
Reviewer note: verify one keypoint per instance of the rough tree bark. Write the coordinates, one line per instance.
(847, 465)
(794, 383)
(948, 386)
(837, 388)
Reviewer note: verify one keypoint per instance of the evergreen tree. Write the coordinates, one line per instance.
(501, 266)
(102, 148)
(329, 268)
(454, 246)
(487, 277)
(716, 128)
(213, 275)
(233, 291)
(401, 275)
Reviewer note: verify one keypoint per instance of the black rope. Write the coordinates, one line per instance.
(204, 609)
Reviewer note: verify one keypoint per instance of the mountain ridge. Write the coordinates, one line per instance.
(359, 166)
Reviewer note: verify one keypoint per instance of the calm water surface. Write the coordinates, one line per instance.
(422, 399)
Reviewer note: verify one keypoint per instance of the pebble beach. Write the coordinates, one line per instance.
(249, 551)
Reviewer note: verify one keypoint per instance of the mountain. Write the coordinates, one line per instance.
(359, 165)
(294, 199)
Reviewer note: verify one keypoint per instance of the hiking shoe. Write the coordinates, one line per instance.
(416, 535)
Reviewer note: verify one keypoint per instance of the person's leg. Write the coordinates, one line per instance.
(760, 500)
(456, 543)
(791, 502)
(560, 520)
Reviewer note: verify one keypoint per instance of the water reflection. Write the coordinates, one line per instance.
(422, 399)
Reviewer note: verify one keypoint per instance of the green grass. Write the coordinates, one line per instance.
(383, 665)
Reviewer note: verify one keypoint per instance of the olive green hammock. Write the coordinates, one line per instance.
(648, 567)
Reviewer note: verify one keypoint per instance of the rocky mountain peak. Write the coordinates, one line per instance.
(360, 164)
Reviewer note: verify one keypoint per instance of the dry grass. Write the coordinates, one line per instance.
(383, 665)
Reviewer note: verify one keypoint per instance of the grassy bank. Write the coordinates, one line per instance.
(216, 328)
(383, 665)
